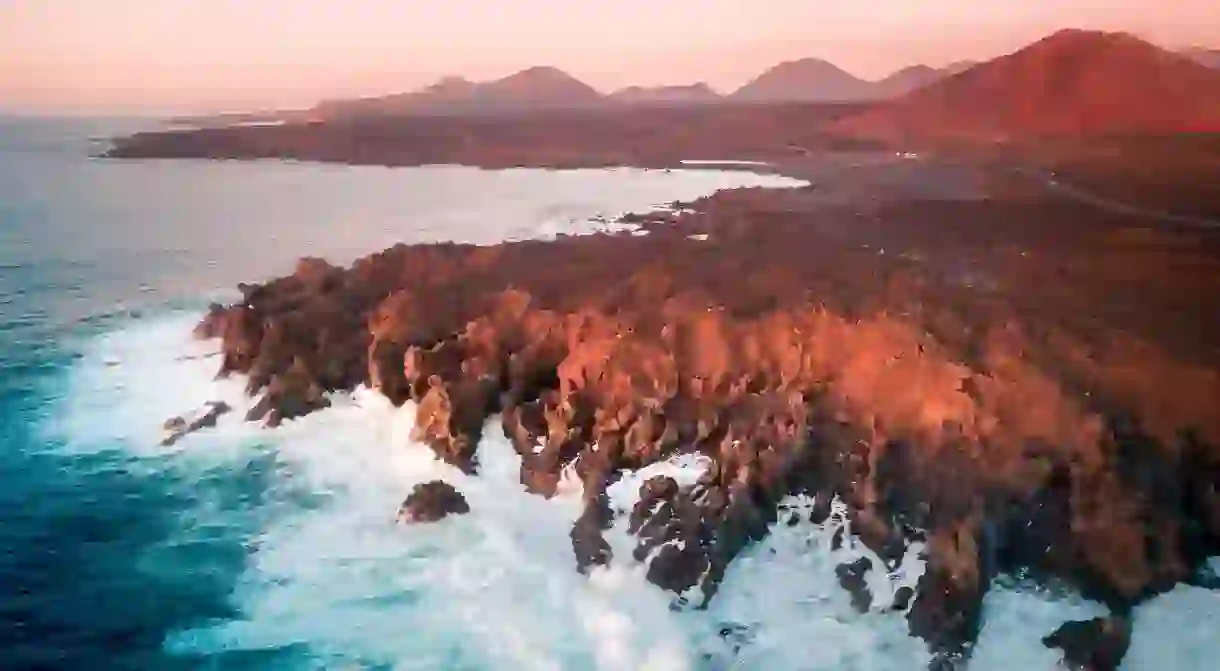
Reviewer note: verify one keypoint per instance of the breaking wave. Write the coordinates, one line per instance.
(330, 581)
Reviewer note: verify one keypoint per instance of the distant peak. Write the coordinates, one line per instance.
(1080, 36)
(808, 62)
(542, 71)
(542, 82)
(913, 71)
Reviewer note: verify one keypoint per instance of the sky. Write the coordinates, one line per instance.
(221, 55)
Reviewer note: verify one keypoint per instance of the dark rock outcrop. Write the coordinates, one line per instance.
(178, 428)
(1095, 645)
(432, 502)
(852, 577)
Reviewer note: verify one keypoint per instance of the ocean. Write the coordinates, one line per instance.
(247, 548)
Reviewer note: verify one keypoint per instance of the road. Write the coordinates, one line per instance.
(1081, 195)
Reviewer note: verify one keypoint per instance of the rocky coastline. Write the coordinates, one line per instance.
(646, 137)
(993, 410)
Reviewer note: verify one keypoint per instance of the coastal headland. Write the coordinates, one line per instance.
(1005, 351)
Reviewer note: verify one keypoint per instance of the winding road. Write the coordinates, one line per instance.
(1081, 195)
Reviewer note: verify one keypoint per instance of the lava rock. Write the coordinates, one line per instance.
(851, 577)
(431, 502)
(1092, 645)
(178, 427)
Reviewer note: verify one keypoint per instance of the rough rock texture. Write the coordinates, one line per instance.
(1096, 645)
(177, 428)
(954, 388)
(432, 502)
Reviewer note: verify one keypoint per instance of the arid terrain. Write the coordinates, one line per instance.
(1009, 351)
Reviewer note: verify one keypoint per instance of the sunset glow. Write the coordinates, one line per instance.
(134, 55)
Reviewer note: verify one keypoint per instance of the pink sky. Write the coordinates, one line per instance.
(211, 55)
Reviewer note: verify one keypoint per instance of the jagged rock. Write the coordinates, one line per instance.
(431, 502)
(178, 427)
(852, 578)
(450, 418)
(1093, 645)
(588, 544)
(293, 394)
(213, 323)
(948, 602)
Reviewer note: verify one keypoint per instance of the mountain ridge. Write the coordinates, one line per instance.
(536, 87)
(543, 87)
(1073, 82)
(699, 92)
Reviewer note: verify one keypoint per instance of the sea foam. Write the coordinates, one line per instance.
(332, 578)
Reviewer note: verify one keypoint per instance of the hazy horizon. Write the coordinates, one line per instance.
(181, 56)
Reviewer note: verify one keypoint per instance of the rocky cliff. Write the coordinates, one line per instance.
(1004, 435)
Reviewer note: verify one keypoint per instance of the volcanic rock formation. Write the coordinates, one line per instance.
(935, 415)
(1096, 645)
(432, 502)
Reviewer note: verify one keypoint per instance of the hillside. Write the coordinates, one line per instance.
(906, 80)
(689, 94)
(1073, 82)
(1208, 57)
(539, 87)
(544, 88)
(804, 80)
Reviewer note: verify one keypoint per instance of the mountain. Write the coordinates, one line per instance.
(815, 80)
(804, 80)
(535, 88)
(539, 86)
(445, 91)
(906, 80)
(689, 94)
(1071, 83)
(957, 67)
(1208, 57)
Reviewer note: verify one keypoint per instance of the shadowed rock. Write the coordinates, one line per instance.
(432, 502)
(852, 577)
(1094, 645)
(178, 428)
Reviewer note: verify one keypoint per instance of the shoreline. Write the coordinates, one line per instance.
(782, 334)
(1015, 379)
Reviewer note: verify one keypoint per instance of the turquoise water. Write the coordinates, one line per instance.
(108, 548)
(244, 548)
(71, 526)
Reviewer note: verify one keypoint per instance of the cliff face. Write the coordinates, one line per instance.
(1002, 433)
